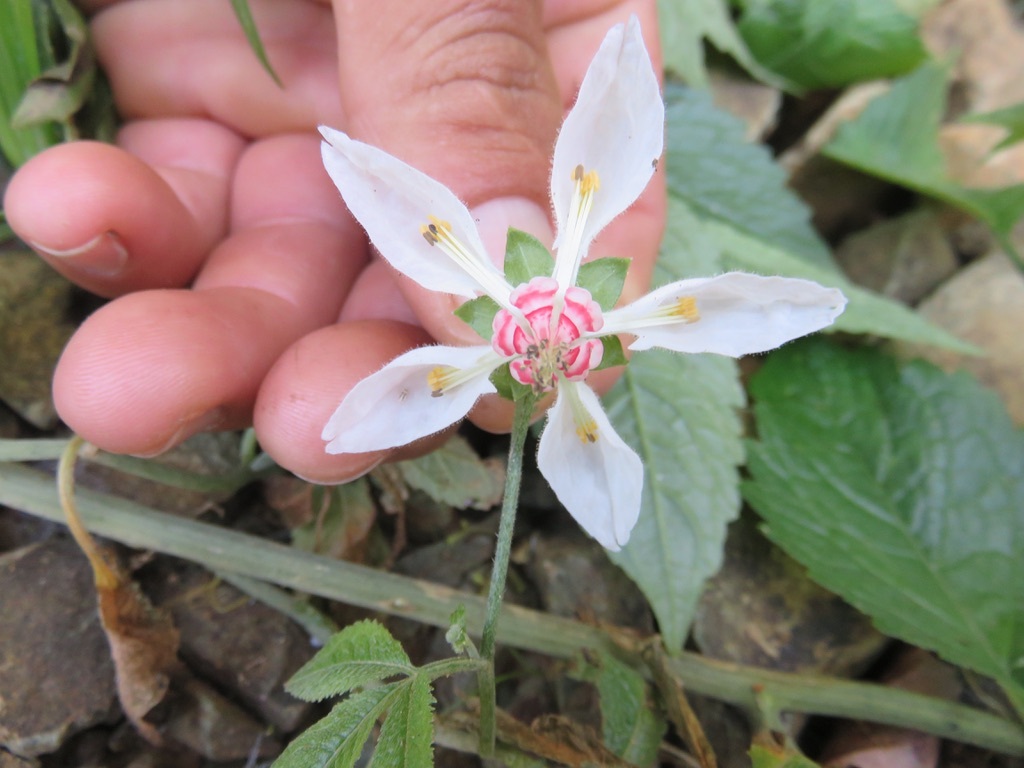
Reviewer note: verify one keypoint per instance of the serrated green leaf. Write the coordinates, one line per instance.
(771, 757)
(454, 474)
(679, 413)
(526, 257)
(630, 722)
(1010, 118)
(479, 314)
(604, 279)
(896, 138)
(900, 489)
(407, 736)
(362, 653)
(827, 45)
(684, 25)
(866, 312)
(722, 177)
(337, 740)
(613, 353)
(252, 34)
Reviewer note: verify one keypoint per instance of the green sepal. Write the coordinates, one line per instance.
(507, 387)
(604, 279)
(457, 634)
(613, 353)
(526, 258)
(479, 314)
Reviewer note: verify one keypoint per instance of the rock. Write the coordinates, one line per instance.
(982, 304)
(33, 300)
(7, 760)
(761, 609)
(246, 648)
(575, 578)
(56, 676)
(985, 45)
(904, 258)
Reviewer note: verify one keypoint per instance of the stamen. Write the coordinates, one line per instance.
(439, 232)
(567, 264)
(685, 308)
(586, 427)
(440, 378)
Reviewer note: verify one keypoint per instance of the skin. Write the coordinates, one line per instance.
(242, 291)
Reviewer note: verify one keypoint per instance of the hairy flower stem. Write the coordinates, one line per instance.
(509, 505)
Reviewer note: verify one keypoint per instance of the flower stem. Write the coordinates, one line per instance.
(509, 505)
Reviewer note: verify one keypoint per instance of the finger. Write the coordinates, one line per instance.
(190, 360)
(128, 220)
(191, 58)
(308, 382)
(463, 92)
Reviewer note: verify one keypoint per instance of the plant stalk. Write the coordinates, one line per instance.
(496, 591)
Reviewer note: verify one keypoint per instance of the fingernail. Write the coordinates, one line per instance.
(496, 216)
(103, 256)
(202, 423)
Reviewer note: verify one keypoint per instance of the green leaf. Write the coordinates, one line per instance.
(685, 24)
(901, 490)
(604, 279)
(827, 45)
(1010, 118)
(866, 312)
(679, 413)
(479, 314)
(23, 57)
(896, 138)
(613, 353)
(631, 725)
(721, 177)
(364, 652)
(525, 258)
(778, 757)
(337, 740)
(252, 34)
(454, 474)
(406, 738)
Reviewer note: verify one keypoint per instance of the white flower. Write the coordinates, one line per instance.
(549, 330)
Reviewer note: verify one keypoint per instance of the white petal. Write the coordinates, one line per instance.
(616, 128)
(393, 200)
(599, 482)
(740, 314)
(395, 406)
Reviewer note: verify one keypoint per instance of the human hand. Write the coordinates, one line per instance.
(217, 185)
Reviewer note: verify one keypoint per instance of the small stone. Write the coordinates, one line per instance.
(983, 304)
(56, 676)
(904, 258)
(245, 647)
(760, 609)
(33, 301)
(575, 578)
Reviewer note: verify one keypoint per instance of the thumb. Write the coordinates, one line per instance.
(464, 91)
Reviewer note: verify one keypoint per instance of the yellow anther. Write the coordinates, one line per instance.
(587, 433)
(439, 378)
(436, 231)
(587, 181)
(686, 308)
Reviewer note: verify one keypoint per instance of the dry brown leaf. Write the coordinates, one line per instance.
(677, 707)
(558, 739)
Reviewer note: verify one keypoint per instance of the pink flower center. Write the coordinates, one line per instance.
(549, 346)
